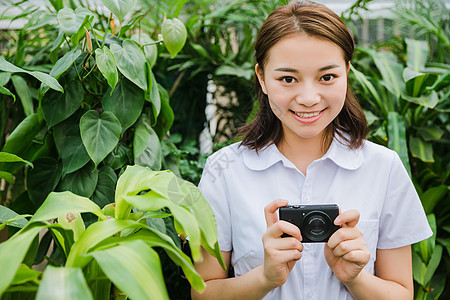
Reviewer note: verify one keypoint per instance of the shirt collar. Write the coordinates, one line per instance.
(338, 153)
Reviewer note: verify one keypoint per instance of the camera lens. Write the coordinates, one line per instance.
(316, 225)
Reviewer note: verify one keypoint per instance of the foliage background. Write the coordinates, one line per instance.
(401, 81)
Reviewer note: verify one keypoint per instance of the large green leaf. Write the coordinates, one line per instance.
(65, 62)
(150, 48)
(7, 92)
(106, 186)
(430, 100)
(397, 138)
(64, 284)
(125, 102)
(57, 107)
(10, 217)
(429, 133)
(100, 134)
(9, 157)
(369, 89)
(417, 85)
(71, 20)
(13, 251)
(174, 35)
(26, 275)
(131, 62)
(416, 54)
(134, 268)
(24, 93)
(119, 7)
(60, 203)
(421, 149)
(43, 179)
(119, 156)
(422, 272)
(68, 141)
(81, 182)
(432, 196)
(42, 77)
(107, 65)
(147, 147)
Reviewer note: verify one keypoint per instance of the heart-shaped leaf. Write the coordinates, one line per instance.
(150, 48)
(81, 182)
(71, 20)
(107, 65)
(100, 134)
(119, 7)
(147, 147)
(131, 62)
(125, 102)
(174, 35)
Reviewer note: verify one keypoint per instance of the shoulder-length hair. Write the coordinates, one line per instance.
(318, 21)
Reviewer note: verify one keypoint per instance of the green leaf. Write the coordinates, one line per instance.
(7, 92)
(71, 20)
(417, 85)
(416, 54)
(24, 93)
(166, 114)
(421, 150)
(43, 179)
(368, 87)
(107, 65)
(125, 102)
(434, 263)
(81, 182)
(174, 35)
(131, 62)
(118, 157)
(25, 274)
(150, 48)
(430, 100)
(11, 218)
(119, 7)
(100, 134)
(147, 147)
(430, 133)
(42, 77)
(65, 62)
(154, 95)
(57, 107)
(63, 283)
(4, 78)
(7, 176)
(134, 268)
(73, 221)
(13, 251)
(9, 157)
(60, 203)
(397, 138)
(70, 146)
(106, 186)
(432, 196)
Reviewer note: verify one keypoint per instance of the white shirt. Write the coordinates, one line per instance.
(239, 183)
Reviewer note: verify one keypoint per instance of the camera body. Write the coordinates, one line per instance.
(316, 222)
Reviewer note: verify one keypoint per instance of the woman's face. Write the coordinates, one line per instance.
(305, 79)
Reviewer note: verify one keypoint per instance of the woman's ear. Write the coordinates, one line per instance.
(260, 76)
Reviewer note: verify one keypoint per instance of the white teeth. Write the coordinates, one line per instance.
(307, 115)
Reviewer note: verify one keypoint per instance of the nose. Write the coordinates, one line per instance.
(307, 95)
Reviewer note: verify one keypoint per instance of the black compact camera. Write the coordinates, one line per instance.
(316, 222)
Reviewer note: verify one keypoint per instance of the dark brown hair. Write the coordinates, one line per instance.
(318, 21)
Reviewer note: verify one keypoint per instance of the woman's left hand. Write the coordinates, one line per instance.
(346, 251)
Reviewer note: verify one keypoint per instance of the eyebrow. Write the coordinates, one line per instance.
(291, 70)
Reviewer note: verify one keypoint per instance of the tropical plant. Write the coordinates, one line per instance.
(117, 250)
(407, 104)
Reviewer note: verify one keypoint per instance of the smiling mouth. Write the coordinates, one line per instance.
(307, 115)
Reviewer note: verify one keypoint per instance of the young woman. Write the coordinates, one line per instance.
(307, 146)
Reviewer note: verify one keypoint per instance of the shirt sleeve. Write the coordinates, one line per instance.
(403, 221)
(213, 189)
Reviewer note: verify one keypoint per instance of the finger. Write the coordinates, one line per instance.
(360, 257)
(344, 234)
(348, 218)
(283, 256)
(288, 243)
(270, 211)
(279, 228)
(346, 247)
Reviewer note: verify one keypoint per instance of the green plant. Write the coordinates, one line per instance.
(407, 104)
(118, 248)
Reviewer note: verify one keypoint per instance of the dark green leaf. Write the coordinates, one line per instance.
(119, 157)
(125, 102)
(23, 135)
(65, 62)
(58, 106)
(7, 92)
(100, 134)
(107, 65)
(429, 100)
(106, 186)
(430, 133)
(397, 138)
(43, 179)
(81, 182)
(24, 93)
(432, 196)
(420, 149)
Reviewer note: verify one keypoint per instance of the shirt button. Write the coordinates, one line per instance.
(309, 295)
(307, 246)
(306, 199)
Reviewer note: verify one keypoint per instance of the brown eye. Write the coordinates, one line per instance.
(327, 77)
(288, 79)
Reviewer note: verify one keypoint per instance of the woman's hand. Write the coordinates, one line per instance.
(346, 251)
(280, 254)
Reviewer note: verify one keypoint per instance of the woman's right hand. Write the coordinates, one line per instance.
(280, 254)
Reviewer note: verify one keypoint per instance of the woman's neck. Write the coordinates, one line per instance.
(302, 151)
